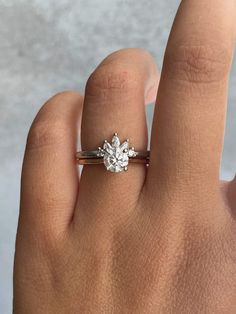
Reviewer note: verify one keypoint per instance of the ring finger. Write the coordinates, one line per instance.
(114, 102)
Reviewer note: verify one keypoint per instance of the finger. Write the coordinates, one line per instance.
(229, 193)
(49, 175)
(188, 126)
(151, 94)
(114, 102)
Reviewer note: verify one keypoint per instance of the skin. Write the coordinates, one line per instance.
(156, 240)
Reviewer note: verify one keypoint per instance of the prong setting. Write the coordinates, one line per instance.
(116, 155)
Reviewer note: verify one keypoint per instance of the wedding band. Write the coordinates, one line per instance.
(115, 156)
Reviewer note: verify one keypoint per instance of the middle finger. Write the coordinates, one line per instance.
(188, 125)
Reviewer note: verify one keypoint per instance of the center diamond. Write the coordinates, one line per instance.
(116, 155)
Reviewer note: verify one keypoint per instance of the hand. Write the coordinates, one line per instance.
(160, 239)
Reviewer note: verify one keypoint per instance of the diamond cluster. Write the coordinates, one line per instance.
(116, 155)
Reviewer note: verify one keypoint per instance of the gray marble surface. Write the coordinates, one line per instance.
(51, 45)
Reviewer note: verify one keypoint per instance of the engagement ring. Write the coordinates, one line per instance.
(115, 156)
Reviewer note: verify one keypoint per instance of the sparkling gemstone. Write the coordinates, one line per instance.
(117, 160)
(132, 153)
(116, 155)
(115, 141)
(124, 146)
(107, 147)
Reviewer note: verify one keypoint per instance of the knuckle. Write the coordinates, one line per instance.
(46, 133)
(110, 78)
(199, 63)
